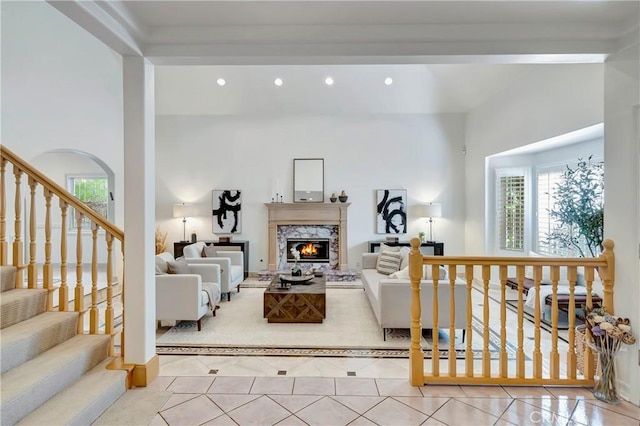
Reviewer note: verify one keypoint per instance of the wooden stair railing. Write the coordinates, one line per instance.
(534, 365)
(40, 185)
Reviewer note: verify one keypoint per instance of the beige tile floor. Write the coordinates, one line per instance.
(211, 390)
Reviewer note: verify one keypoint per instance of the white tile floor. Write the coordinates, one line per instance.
(215, 390)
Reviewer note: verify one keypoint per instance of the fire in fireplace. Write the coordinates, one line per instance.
(312, 250)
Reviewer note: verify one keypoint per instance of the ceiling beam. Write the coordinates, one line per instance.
(91, 16)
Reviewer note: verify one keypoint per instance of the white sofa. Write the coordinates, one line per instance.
(390, 298)
(186, 296)
(231, 265)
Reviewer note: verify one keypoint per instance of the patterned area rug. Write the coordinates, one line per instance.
(349, 329)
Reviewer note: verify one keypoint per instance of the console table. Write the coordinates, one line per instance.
(438, 247)
(178, 247)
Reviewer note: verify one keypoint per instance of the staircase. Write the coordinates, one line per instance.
(50, 374)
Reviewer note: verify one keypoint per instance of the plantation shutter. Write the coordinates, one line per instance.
(511, 226)
(546, 181)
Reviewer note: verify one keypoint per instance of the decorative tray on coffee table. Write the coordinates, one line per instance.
(305, 279)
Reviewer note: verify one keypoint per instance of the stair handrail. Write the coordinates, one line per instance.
(62, 193)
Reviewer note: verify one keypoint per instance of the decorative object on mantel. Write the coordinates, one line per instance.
(391, 211)
(296, 271)
(606, 334)
(421, 236)
(227, 211)
(392, 239)
(278, 198)
(224, 239)
(343, 197)
(333, 198)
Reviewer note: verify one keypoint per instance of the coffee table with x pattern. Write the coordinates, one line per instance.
(300, 303)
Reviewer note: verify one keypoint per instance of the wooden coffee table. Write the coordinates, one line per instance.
(300, 303)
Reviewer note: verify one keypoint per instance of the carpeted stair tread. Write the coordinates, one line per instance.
(28, 386)
(8, 277)
(27, 339)
(84, 401)
(21, 304)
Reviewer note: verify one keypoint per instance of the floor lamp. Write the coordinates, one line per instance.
(184, 211)
(431, 210)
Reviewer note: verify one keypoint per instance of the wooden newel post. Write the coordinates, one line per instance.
(416, 355)
(607, 274)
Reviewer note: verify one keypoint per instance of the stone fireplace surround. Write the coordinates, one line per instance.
(285, 232)
(323, 217)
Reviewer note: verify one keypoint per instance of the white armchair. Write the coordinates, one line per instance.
(186, 296)
(231, 265)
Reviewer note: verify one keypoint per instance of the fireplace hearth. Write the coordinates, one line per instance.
(312, 250)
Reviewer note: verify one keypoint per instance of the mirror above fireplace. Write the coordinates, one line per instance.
(308, 180)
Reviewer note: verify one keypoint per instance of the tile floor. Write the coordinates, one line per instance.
(211, 390)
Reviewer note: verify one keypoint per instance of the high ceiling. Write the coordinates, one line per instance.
(358, 32)
(444, 56)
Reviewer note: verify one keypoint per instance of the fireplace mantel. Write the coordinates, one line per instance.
(308, 214)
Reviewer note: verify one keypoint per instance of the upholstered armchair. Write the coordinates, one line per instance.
(231, 264)
(185, 291)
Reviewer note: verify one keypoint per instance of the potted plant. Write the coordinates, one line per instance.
(578, 209)
(421, 235)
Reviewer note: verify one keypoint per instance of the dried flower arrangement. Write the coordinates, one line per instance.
(606, 334)
(161, 239)
(608, 331)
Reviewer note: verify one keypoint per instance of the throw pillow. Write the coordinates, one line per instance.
(442, 273)
(161, 266)
(178, 267)
(210, 251)
(384, 247)
(388, 262)
(405, 258)
(402, 274)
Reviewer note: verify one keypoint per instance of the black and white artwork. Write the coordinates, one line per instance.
(391, 211)
(227, 211)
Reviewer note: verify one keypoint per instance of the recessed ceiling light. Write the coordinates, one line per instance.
(221, 82)
(278, 82)
(328, 81)
(388, 81)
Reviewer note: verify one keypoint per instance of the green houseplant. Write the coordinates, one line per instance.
(578, 208)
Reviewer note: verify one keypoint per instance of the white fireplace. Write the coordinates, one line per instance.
(307, 220)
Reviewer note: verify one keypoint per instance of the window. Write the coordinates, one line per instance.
(511, 208)
(547, 179)
(93, 191)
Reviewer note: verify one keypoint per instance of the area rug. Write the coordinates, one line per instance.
(349, 329)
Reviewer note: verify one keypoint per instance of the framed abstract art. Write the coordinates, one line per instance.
(227, 211)
(391, 211)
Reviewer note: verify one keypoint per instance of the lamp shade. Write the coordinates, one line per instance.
(432, 210)
(182, 210)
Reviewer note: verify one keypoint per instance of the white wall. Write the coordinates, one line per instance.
(61, 89)
(622, 205)
(557, 99)
(419, 153)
